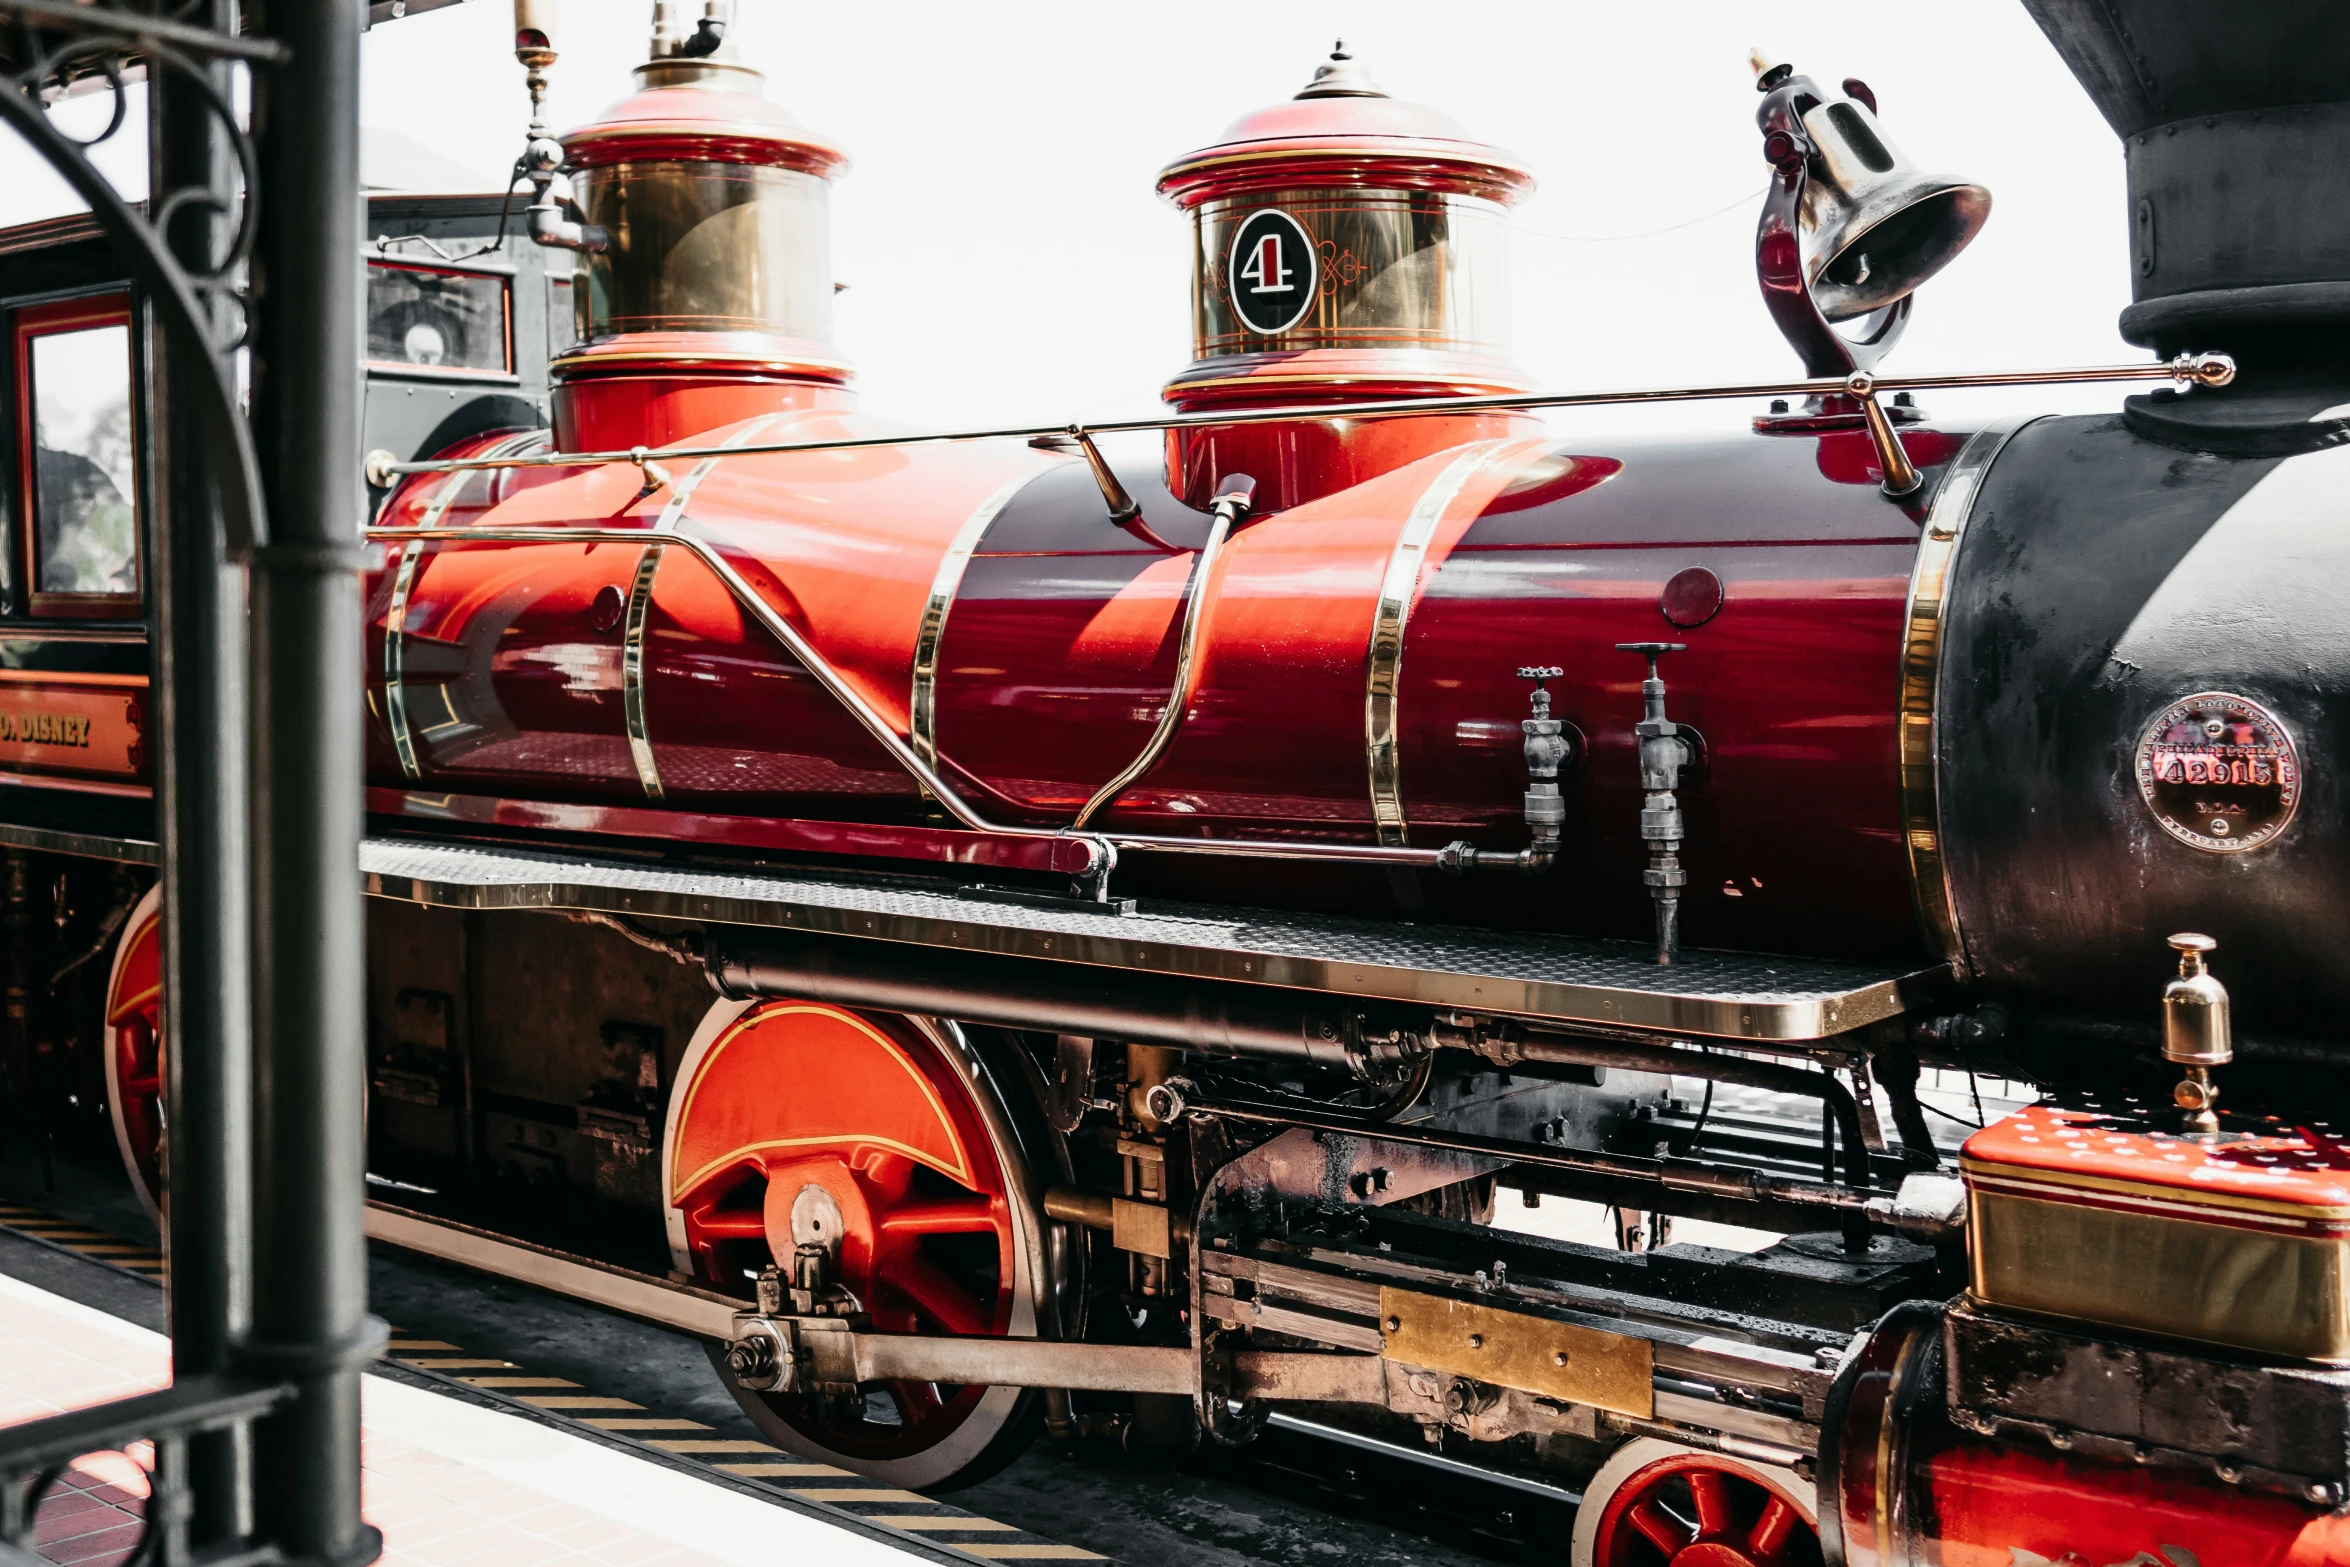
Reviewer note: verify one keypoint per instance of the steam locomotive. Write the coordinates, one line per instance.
(1154, 897)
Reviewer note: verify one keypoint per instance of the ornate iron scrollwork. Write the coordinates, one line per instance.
(50, 48)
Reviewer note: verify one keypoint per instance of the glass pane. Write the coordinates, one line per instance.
(445, 320)
(86, 524)
(707, 247)
(1390, 269)
(562, 329)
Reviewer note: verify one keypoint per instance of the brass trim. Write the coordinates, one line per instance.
(1140, 1227)
(396, 612)
(1517, 1349)
(632, 671)
(395, 630)
(640, 606)
(1390, 615)
(2200, 1206)
(2222, 1284)
(81, 845)
(922, 705)
(1921, 663)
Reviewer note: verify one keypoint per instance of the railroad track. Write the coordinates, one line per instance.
(1335, 1483)
(1296, 1495)
(565, 1401)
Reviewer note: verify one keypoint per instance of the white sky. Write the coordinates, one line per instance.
(1008, 260)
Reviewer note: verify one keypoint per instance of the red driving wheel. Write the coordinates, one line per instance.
(1658, 1505)
(796, 1123)
(134, 1049)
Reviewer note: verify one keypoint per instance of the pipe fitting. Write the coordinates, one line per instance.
(1552, 744)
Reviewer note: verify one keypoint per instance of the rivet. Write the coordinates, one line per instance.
(1558, 1357)
(1476, 1341)
(1395, 1324)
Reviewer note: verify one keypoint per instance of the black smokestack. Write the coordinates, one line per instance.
(2234, 117)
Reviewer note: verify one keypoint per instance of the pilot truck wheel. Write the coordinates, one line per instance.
(1658, 1504)
(898, 1148)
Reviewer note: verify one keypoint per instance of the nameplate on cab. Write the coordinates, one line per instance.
(80, 725)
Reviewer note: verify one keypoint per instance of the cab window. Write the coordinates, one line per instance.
(436, 319)
(78, 445)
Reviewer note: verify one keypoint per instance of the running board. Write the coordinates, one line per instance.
(1616, 984)
(1723, 995)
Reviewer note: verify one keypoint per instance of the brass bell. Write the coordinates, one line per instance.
(1875, 226)
(2196, 1032)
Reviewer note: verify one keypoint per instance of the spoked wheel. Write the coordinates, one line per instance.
(899, 1146)
(1656, 1504)
(134, 1049)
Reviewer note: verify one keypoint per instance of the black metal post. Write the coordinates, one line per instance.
(16, 976)
(199, 617)
(310, 1323)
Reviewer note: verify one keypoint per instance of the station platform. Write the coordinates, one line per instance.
(447, 1481)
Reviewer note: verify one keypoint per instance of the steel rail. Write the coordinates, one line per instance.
(1104, 845)
(2213, 370)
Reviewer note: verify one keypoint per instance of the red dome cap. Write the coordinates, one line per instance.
(705, 111)
(1342, 130)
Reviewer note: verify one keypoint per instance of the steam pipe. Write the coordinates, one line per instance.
(1204, 1016)
(1230, 505)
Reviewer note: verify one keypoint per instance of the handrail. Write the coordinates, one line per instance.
(1227, 508)
(1103, 845)
(2186, 370)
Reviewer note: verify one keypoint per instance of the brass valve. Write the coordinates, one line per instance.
(2196, 1032)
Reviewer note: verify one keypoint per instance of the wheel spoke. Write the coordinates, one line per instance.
(918, 1403)
(736, 1224)
(1767, 1541)
(975, 1214)
(918, 1279)
(1660, 1528)
(1709, 1489)
(886, 1174)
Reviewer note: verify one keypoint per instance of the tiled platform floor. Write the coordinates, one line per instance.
(446, 1481)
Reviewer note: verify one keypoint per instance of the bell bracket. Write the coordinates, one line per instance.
(1778, 238)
